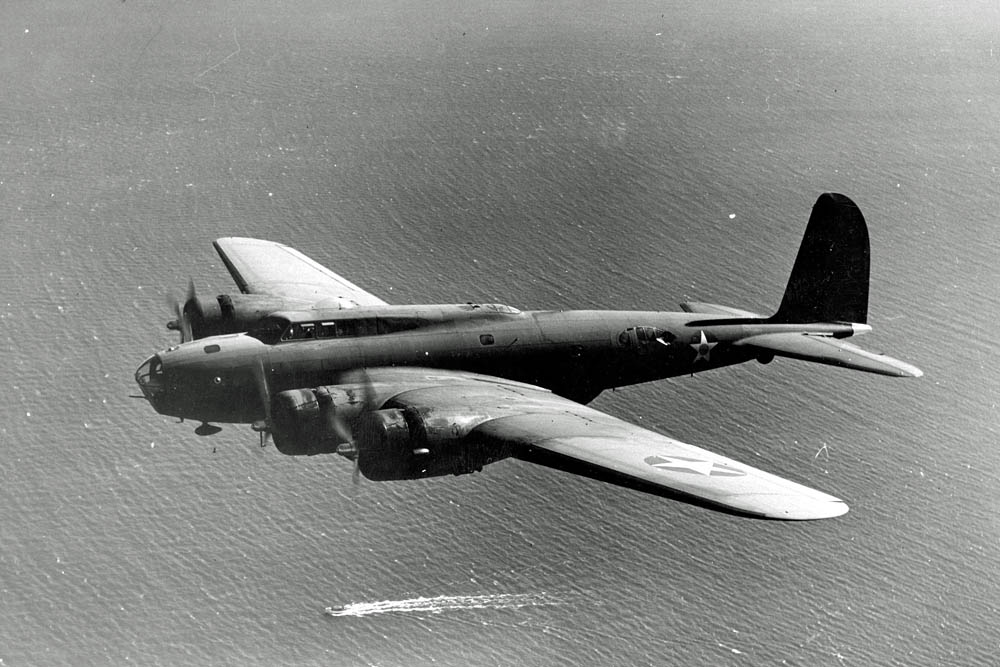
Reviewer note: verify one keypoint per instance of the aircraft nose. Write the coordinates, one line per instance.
(149, 377)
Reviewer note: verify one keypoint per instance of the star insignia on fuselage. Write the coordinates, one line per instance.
(702, 348)
(693, 466)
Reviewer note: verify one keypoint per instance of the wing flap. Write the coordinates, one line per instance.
(266, 267)
(831, 351)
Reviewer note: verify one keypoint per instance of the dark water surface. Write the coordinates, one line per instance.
(540, 154)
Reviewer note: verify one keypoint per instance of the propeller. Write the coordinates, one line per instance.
(336, 419)
(180, 308)
(345, 422)
(264, 391)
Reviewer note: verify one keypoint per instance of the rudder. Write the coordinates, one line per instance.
(829, 280)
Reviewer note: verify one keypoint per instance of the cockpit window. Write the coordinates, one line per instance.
(269, 330)
(276, 329)
(299, 331)
(343, 328)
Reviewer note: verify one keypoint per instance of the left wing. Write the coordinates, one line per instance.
(266, 267)
(538, 426)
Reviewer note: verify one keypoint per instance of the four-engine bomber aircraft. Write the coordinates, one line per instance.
(417, 391)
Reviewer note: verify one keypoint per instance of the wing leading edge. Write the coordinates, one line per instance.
(266, 267)
(538, 426)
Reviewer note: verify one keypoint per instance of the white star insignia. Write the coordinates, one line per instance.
(703, 348)
(693, 466)
(681, 464)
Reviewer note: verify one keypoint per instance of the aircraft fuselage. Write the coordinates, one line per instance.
(576, 354)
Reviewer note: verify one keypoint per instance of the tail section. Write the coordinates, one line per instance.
(826, 299)
(829, 281)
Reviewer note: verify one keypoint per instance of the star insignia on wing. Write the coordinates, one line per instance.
(702, 348)
(693, 466)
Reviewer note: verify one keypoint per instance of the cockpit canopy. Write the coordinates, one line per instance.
(279, 329)
(302, 325)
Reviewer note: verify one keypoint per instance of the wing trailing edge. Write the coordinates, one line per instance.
(829, 350)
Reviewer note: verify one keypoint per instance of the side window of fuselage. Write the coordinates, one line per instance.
(637, 337)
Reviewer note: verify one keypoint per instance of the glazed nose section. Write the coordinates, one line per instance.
(149, 377)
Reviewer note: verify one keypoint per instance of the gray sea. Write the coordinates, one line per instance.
(614, 154)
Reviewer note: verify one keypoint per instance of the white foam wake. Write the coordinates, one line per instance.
(443, 603)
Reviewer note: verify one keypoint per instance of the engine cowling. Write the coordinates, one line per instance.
(230, 313)
(306, 422)
(412, 443)
(400, 442)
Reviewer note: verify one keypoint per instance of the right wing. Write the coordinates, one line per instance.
(266, 267)
(535, 425)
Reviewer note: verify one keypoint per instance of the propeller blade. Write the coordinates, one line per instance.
(191, 298)
(346, 420)
(182, 323)
(264, 391)
(350, 433)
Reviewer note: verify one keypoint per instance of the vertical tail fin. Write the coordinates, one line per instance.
(829, 281)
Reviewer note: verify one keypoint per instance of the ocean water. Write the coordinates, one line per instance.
(565, 155)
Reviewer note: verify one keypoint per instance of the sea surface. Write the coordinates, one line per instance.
(614, 154)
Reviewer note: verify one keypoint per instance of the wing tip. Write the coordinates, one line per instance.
(827, 510)
(244, 240)
(812, 512)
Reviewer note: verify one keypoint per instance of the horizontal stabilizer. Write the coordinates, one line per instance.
(828, 350)
(714, 309)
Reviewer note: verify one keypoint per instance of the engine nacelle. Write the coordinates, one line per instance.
(228, 314)
(306, 422)
(412, 443)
